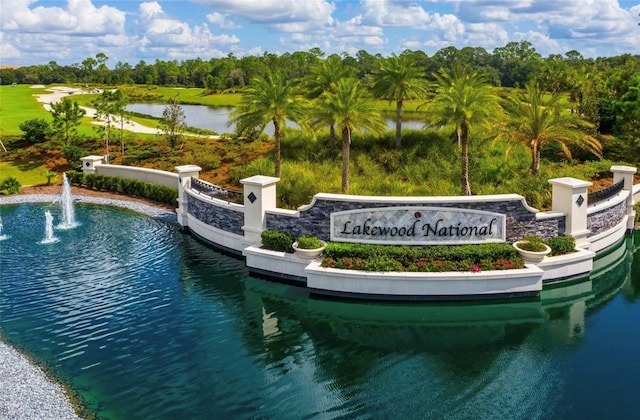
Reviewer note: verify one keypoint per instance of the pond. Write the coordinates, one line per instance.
(216, 118)
(143, 321)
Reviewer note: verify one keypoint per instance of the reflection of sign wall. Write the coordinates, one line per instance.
(417, 226)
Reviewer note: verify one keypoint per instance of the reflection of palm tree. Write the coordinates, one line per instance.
(351, 110)
(536, 123)
(268, 99)
(399, 78)
(463, 99)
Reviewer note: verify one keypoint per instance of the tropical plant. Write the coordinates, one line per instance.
(536, 123)
(322, 78)
(10, 185)
(463, 98)
(66, 118)
(532, 243)
(397, 79)
(269, 99)
(351, 110)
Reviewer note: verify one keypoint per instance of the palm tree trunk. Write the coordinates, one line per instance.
(464, 144)
(276, 137)
(346, 146)
(332, 137)
(535, 158)
(399, 124)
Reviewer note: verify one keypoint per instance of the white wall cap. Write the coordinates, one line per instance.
(188, 168)
(431, 201)
(570, 182)
(259, 180)
(624, 169)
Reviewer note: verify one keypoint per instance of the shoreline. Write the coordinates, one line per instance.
(26, 389)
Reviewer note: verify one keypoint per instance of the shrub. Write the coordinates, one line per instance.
(277, 241)
(490, 256)
(10, 186)
(309, 242)
(561, 245)
(35, 130)
(126, 186)
(73, 154)
(532, 243)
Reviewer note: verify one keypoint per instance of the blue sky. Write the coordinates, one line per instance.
(68, 31)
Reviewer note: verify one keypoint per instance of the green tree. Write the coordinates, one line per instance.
(111, 108)
(173, 121)
(397, 79)
(628, 120)
(535, 123)
(66, 119)
(463, 99)
(269, 99)
(349, 106)
(35, 130)
(322, 79)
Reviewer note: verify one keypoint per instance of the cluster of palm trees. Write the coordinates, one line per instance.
(460, 100)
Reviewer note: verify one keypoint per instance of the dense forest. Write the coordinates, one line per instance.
(596, 85)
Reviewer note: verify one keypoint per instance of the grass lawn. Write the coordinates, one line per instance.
(27, 172)
(17, 104)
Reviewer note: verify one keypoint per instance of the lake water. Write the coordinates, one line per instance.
(144, 322)
(216, 118)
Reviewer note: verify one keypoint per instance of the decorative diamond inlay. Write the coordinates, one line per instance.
(252, 197)
(580, 200)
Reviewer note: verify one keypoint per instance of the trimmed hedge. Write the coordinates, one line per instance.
(126, 186)
(561, 245)
(277, 241)
(492, 256)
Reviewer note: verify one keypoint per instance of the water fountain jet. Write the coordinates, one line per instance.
(2, 237)
(68, 214)
(48, 229)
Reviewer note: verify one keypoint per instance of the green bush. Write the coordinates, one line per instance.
(561, 245)
(491, 256)
(532, 243)
(277, 241)
(35, 130)
(309, 242)
(126, 186)
(10, 186)
(637, 209)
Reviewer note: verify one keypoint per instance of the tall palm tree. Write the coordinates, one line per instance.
(321, 79)
(270, 98)
(463, 99)
(399, 78)
(536, 123)
(352, 110)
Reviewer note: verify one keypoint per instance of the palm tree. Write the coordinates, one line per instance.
(399, 78)
(321, 79)
(536, 123)
(462, 99)
(268, 99)
(351, 110)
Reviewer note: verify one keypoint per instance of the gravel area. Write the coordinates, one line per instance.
(25, 391)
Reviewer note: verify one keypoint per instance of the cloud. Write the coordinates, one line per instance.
(281, 15)
(221, 20)
(80, 17)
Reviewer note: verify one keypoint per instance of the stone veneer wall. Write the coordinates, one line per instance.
(316, 220)
(219, 217)
(606, 219)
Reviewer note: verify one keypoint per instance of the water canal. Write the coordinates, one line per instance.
(143, 321)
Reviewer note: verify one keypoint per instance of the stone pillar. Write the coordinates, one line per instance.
(259, 196)
(90, 164)
(569, 196)
(185, 173)
(626, 173)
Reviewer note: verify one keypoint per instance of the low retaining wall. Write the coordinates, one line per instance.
(153, 176)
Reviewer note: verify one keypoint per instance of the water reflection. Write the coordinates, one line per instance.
(156, 325)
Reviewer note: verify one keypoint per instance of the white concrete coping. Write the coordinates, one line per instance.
(215, 201)
(495, 198)
(259, 180)
(624, 169)
(570, 182)
(552, 214)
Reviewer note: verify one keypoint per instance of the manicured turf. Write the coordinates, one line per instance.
(25, 171)
(17, 104)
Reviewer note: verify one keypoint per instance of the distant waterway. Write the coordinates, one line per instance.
(217, 118)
